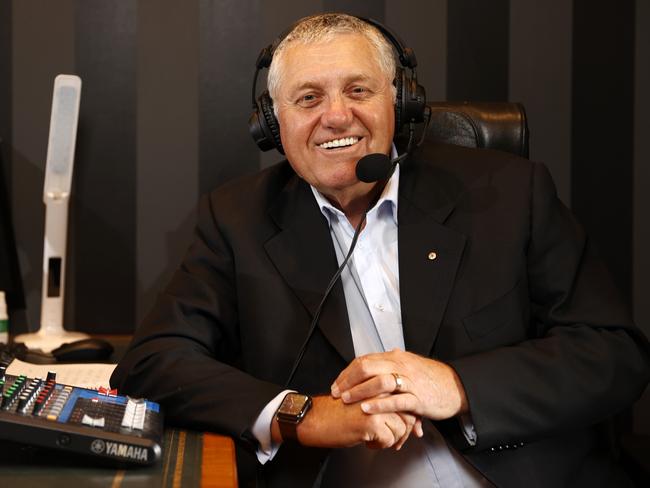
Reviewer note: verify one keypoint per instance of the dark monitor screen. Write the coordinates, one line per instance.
(10, 279)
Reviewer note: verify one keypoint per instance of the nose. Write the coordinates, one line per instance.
(337, 114)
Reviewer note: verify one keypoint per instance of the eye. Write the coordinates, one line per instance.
(359, 91)
(307, 100)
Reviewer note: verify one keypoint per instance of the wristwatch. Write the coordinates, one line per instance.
(293, 409)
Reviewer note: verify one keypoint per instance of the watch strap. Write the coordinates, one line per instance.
(288, 430)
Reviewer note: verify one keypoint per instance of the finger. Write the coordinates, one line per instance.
(410, 421)
(417, 428)
(398, 428)
(380, 435)
(384, 431)
(377, 385)
(403, 402)
(360, 370)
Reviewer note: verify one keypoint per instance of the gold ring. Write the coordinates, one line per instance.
(399, 384)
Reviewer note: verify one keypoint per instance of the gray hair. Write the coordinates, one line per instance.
(323, 28)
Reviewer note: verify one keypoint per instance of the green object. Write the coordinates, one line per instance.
(4, 319)
(4, 330)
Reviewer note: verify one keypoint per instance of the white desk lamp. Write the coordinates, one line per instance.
(56, 196)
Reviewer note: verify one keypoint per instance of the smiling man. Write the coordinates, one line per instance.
(474, 338)
(335, 104)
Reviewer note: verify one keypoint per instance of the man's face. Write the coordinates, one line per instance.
(334, 93)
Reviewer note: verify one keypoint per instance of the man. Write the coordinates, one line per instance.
(480, 319)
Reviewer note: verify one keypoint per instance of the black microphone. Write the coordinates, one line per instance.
(370, 168)
(376, 167)
(373, 167)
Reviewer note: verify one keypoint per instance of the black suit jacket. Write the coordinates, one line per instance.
(516, 301)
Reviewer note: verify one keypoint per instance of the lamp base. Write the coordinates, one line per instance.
(47, 341)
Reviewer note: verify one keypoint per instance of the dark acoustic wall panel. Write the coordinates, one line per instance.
(603, 129)
(104, 233)
(477, 50)
(229, 41)
(540, 78)
(10, 279)
(641, 257)
(423, 27)
(5, 83)
(167, 140)
(374, 9)
(642, 168)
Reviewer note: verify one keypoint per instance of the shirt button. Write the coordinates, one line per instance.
(380, 307)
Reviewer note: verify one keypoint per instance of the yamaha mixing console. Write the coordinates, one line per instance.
(100, 423)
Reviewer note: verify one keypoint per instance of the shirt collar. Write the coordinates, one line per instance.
(388, 195)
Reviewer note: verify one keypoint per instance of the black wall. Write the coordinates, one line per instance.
(166, 97)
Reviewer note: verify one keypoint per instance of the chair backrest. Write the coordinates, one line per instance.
(492, 125)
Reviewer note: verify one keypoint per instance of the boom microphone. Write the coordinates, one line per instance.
(376, 167)
(373, 167)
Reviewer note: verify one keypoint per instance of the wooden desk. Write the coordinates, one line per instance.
(219, 465)
(190, 459)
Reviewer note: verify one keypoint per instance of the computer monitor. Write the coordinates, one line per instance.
(10, 278)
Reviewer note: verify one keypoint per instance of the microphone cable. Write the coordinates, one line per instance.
(331, 284)
(372, 167)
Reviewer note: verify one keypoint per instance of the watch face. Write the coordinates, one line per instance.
(293, 404)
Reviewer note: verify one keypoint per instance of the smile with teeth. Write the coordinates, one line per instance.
(344, 142)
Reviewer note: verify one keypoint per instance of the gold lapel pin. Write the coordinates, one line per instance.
(432, 255)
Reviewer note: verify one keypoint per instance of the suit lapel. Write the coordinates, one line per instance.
(304, 256)
(429, 255)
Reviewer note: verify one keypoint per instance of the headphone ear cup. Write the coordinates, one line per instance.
(413, 100)
(410, 101)
(266, 105)
(399, 100)
(257, 131)
(263, 125)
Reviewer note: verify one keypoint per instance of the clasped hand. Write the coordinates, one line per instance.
(364, 405)
(429, 389)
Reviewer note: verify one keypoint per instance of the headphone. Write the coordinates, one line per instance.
(410, 102)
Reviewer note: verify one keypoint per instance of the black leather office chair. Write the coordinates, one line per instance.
(492, 125)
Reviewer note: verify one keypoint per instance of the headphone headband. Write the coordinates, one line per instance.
(409, 104)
